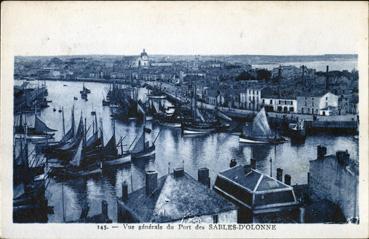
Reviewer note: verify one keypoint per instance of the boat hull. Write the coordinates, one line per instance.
(143, 154)
(197, 131)
(170, 124)
(248, 140)
(125, 159)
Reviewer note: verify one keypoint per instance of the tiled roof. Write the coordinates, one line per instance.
(176, 198)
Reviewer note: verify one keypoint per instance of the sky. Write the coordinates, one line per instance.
(125, 28)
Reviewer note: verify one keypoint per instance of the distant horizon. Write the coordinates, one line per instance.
(213, 55)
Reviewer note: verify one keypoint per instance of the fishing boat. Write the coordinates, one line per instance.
(296, 131)
(85, 90)
(93, 147)
(142, 148)
(198, 124)
(48, 147)
(68, 149)
(29, 185)
(111, 155)
(260, 132)
(84, 161)
(40, 129)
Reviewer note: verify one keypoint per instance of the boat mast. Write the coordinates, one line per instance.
(85, 133)
(63, 121)
(63, 202)
(144, 132)
(102, 131)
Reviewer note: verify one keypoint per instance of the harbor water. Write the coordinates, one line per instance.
(213, 151)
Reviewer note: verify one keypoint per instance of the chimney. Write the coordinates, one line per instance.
(321, 152)
(104, 209)
(247, 168)
(326, 78)
(287, 179)
(253, 163)
(151, 181)
(124, 191)
(178, 172)
(343, 157)
(279, 174)
(203, 176)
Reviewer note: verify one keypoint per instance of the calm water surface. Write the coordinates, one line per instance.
(172, 150)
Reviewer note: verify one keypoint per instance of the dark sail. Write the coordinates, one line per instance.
(111, 148)
(40, 126)
(68, 136)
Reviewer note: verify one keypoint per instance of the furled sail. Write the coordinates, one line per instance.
(40, 126)
(260, 126)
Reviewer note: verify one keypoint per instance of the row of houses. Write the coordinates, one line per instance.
(254, 98)
(243, 194)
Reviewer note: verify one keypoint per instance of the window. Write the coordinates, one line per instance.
(271, 102)
(291, 109)
(215, 218)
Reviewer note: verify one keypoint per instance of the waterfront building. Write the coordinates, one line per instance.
(335, 178)
(175, 198)
(253, 97)
(256, 194)
(317, 103)
(277, 103)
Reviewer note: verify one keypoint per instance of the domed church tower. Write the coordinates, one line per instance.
(143, 60)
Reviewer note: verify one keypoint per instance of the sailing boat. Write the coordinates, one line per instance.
(260, 132)
(110, 151)
(297, 131)
(93, 147)
(80, 165)
(50, 146)
(198, 125)
(39, 131)
(29, 202)
(142, 147)
(65, 151)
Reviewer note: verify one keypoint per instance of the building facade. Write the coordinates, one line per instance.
(253, 98)
(326, 104)
(335, 178)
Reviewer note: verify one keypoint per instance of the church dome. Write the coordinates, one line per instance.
(143, 53)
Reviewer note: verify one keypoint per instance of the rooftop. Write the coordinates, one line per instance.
(174, 199)
(254, 180)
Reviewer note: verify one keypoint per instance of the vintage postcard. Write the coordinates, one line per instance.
(184, 119)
